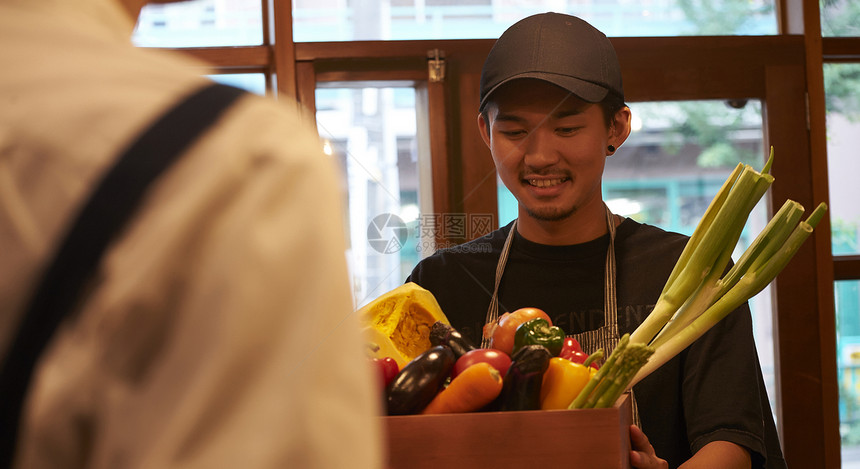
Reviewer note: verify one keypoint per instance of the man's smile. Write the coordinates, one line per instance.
(546, 182)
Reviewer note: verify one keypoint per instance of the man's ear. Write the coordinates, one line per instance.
(620, 128)
(484, 128)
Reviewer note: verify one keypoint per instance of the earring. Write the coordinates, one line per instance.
(611, 149)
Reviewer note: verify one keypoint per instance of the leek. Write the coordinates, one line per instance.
(769, 240)
(701, 291)
(709, 250)
(749, 285)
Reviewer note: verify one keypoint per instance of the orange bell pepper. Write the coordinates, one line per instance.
(562, 381)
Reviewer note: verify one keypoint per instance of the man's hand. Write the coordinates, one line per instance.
(642, 455)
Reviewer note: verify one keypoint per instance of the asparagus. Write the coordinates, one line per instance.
(628, 364)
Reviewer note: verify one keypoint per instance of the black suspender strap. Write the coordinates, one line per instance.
(111, 205)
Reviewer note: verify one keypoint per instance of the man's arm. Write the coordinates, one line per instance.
(722, 454)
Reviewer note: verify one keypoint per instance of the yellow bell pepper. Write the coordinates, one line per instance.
(562, 381)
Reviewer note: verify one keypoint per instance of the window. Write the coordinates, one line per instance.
(840, 18)
(253, 82)
(201, 23)
(347, 20)
(842, 84)
(373, 132)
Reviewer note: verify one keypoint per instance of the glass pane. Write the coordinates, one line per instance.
(346, 20)
(253, 82)
(840, 18)
(201, 23)
(677, 157)
(842, 84)
(375, 134)
(848, 361)
(842, 88)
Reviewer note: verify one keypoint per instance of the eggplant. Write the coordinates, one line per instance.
(522, 382)
(444, 334)
(419, 381)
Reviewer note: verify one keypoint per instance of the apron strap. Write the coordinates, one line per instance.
(610, 303)
(493, 309)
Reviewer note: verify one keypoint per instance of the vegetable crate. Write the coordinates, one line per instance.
(515, 439)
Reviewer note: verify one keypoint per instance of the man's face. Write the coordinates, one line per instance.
(549, 148)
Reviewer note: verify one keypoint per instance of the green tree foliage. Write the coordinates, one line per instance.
(841, 18)
(842, 89)
(711, 124)
(721, 17)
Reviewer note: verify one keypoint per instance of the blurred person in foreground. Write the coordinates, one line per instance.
(552, 111)
(218, 329)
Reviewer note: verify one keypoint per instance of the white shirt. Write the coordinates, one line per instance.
(219, 329)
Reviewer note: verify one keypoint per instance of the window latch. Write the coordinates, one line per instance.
(436, 65)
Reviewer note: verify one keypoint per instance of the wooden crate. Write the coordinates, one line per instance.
(548, 438)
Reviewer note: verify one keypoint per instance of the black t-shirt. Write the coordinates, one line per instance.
(711, 391)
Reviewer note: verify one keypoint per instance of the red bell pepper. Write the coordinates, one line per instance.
(387, 369)
(573, 352)
(570, 345)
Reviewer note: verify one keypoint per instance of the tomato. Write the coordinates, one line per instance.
(496, 358)
(503, 335)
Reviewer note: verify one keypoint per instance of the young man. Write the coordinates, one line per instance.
(552, 110)
(218, 329)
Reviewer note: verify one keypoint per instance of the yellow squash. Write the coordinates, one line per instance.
(397, 324)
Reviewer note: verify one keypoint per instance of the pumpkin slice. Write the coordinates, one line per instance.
(397, 324)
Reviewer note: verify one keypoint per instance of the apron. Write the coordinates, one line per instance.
(606, 336)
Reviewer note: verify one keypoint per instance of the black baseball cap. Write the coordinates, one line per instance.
(561, 49)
